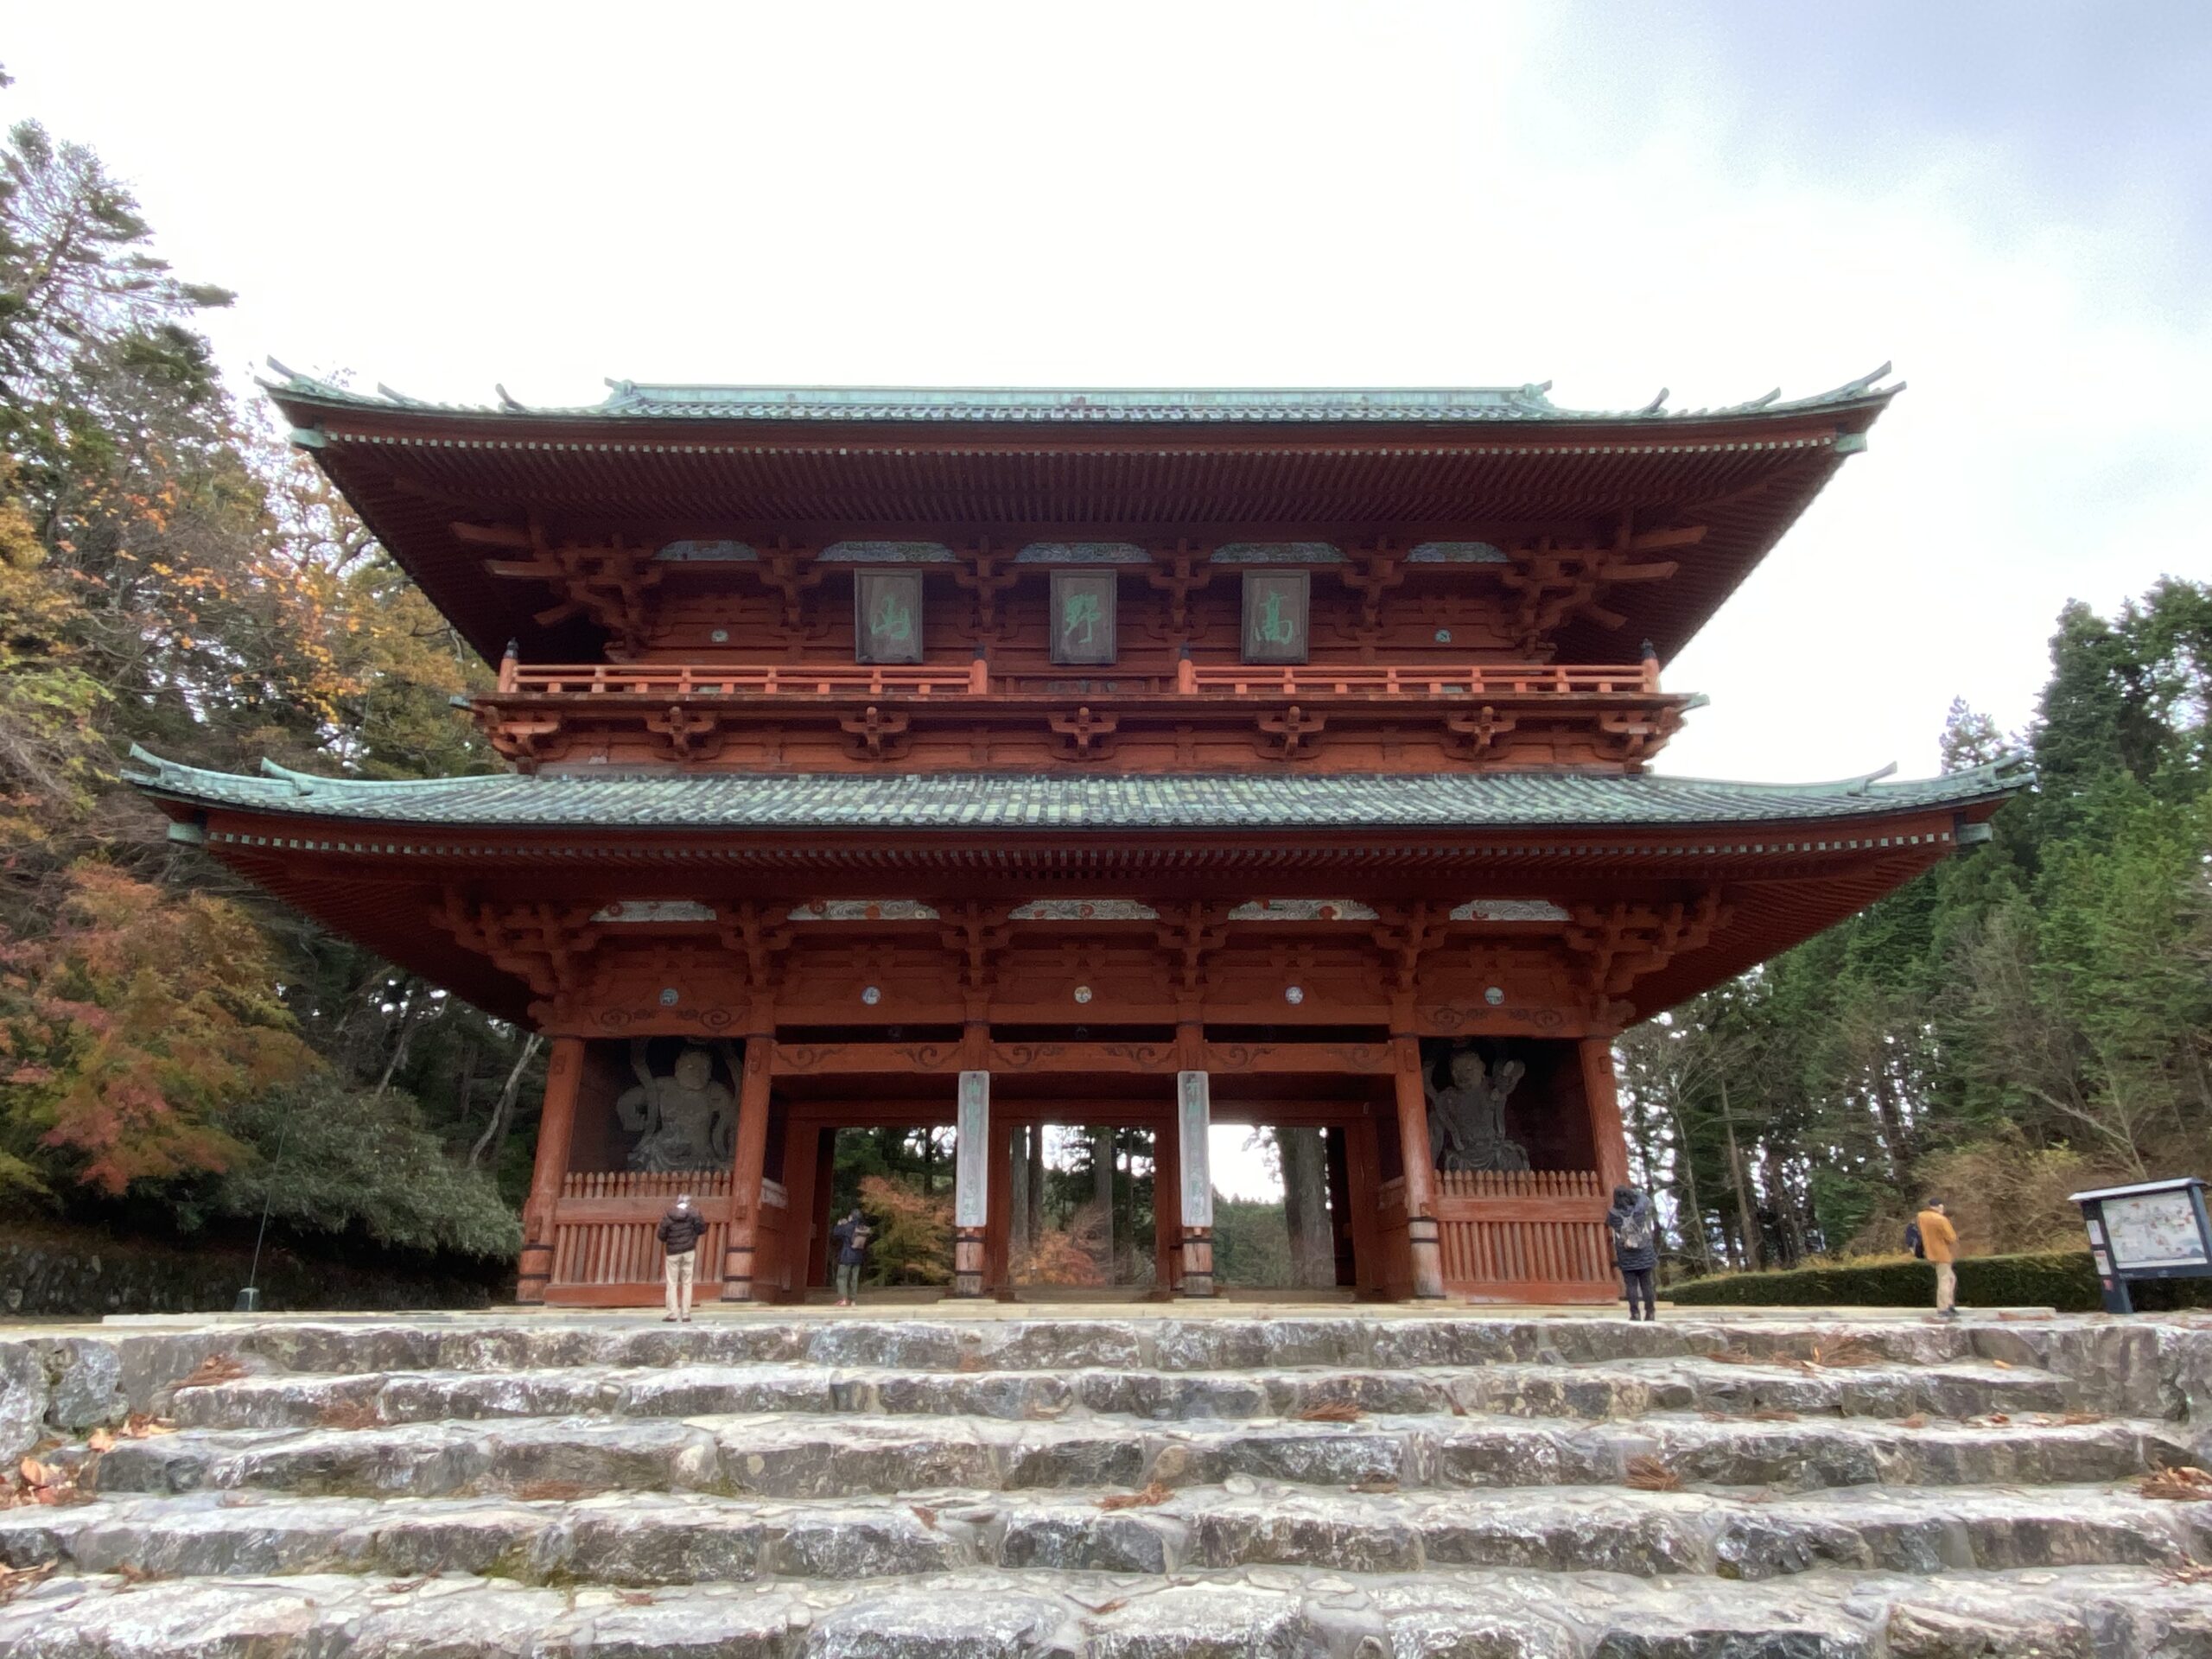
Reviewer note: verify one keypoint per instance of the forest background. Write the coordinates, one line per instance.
(178, 1055)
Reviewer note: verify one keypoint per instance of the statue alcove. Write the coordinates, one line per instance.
(1546, 1113)
(644, 1104)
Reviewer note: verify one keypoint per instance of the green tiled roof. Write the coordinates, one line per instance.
(1072, 406)
(711, 801)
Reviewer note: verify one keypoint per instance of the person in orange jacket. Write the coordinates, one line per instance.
(1940, 1242)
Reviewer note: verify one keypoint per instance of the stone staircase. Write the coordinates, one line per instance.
(1361, 1485)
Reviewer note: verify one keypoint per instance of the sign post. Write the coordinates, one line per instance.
(2154, 1229)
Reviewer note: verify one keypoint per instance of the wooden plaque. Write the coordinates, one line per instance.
(1274, 615)
(1082, 616)
(887, 616)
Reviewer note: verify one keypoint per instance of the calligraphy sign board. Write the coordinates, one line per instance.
(1193, 1119)
(887, 616)
(1274, 615)
(2154, 1229)
(971, 1178)
(1082, 616)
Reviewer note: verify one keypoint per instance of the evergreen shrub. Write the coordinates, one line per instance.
(2058, 1278)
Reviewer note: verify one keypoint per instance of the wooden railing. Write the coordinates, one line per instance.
(682, 681)
(701, 1184)
(1535, 1236)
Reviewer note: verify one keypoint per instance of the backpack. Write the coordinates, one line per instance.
(1912, 1239)
(1637, 1229)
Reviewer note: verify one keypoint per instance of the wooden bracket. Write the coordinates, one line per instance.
(1292, 735)
(975, 931)
(541, 945)
(608, 583)
(757, 933)
(1084, 735)
(1373, 572)
(1188, 933)
(1470, 736)
(874, 736)
(1406, 933)
(526, 740)
(687, 733)
(791, 572)
(1621, 943)
(1178, 581)
(980, 575)
(1558, 582)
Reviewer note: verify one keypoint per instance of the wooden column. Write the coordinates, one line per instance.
(1166, 1211)
(752, 1156)
(556, 1127)
(998, 1209)
(1421, 1176)
(971, 1182)
(802, 1169)
(1600, 1091)
(1193, 1118)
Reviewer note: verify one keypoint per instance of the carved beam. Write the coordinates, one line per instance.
(1470, 736)
(687, 733)
(526, 740)
(1291, 735)
(1084, 735)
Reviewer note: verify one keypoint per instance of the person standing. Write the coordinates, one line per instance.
(851, 1238)
(1940, 1240)
(1636, 1247)
(679, 1232)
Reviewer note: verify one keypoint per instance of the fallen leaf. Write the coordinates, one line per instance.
(635, 1597)
(2186, 1485)
(926, 1515)
(1158, 1492)
(100, 1440)
(1649, 1474)
(14, 1581)
(1329, 1411)
(1374, 1486)
(1918, 1420)
(1773, 1415)
(216, 1367)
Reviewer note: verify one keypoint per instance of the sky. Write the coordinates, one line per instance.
(2011, 202)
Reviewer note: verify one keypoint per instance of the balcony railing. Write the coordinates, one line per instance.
(681, 681)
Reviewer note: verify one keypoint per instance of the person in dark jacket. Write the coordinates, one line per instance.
(679, 1232)
(849, 1239)
(1636, 1246)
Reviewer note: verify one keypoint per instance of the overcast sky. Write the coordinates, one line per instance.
(2012, 201)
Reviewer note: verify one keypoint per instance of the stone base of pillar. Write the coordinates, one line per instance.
(1427, 1258)
(968, 1261)
(533, 1273)
(1198, 1264)
(737, 1273)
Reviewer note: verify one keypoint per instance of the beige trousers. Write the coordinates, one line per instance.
(678, 1271)
(1947, 1287)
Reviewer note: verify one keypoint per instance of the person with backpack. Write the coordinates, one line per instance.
(679, 1232)
(1636, 1247)
(849, 1239)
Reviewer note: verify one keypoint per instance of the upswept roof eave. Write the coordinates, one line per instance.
(630, 404)
(972, 802)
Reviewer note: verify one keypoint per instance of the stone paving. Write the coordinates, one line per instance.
(941, 1483)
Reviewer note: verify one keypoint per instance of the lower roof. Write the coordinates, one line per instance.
(1030, 801)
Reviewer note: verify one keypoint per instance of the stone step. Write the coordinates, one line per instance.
(805, 1455)
(2112, 1613)
(1213, 1341)
(1595, 1392)
(653, 1540)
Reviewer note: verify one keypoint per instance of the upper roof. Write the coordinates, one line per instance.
(998, 801)
(1111, 405)
(665, 463)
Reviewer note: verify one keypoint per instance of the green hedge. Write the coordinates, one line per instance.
(2059, 1278)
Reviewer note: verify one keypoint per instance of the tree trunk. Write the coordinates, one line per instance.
(1101, 1165)
(1747, 1217)
(1306, 1207)
(494, 1135)
(1036, 1158)
(1686, 1167)
(1017, 1194)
